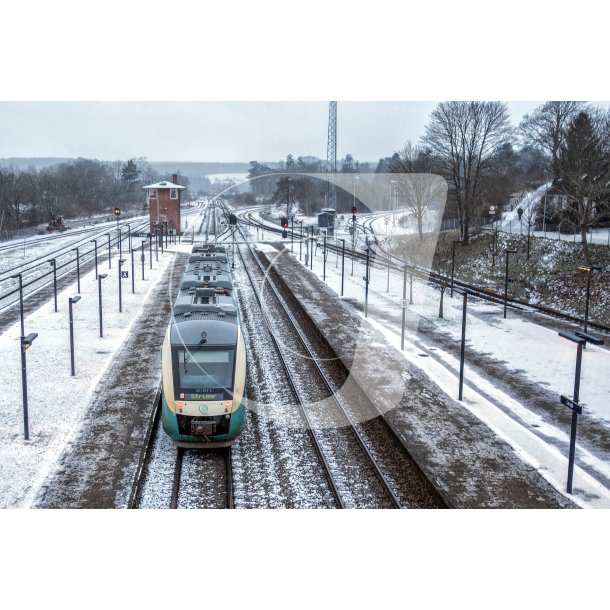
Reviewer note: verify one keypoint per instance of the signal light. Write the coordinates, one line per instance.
(284, 234)
(284, 222)
(354, 209)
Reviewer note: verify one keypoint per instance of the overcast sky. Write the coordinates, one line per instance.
(211, 131)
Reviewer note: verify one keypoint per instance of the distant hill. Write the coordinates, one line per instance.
(35, 162)
(166, 167)
(198, 169)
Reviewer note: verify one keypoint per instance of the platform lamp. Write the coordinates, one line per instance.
(121, 261)
(71, 302)
(589, 269)
(100, 277)
(506, 280)
(26, 343)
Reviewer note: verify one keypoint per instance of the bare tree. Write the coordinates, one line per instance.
(467, 137)
(584, 169)
(547, 125)
(441, 266)
(420, 190)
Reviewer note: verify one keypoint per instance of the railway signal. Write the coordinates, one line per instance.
(117, 213)
(284, 223)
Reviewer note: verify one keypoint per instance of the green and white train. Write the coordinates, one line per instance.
(204, 356)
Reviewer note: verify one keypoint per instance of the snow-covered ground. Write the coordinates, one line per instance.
(530, 202)
(56, 400)
(530, 350)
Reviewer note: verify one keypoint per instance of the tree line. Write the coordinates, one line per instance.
(484, 160)
(82, 187)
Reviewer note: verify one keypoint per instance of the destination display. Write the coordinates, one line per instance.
(201, 395)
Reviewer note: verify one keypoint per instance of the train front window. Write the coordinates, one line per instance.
(203, 369)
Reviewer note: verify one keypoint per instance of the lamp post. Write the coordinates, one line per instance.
(288, 202)
(77, 268)
(355, 179)
(133, 274)
(128, 234)
(142, 257)
(589, 269)
(300, 239)
(100, 277)
(580, 339)
(19, 276)
(71, 302)
(26, 343)
(324, 261)
(121, 261)
(53, 264)
(95, 250)
(311, 252)
(506, 280)
(455, 241)
(342, 264)
(109, 253)
(291, 234)
(120, 244)
(366, 283)
(403, 306)
(465, 292)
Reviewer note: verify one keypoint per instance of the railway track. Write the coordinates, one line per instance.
(364, 463)
(170, 477)
(380, 259)
(38, 273)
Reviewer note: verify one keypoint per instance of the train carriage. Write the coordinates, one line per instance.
(204, 356)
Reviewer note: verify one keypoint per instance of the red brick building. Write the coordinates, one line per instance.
(164, 200)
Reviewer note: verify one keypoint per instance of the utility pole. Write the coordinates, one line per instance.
(331, 156)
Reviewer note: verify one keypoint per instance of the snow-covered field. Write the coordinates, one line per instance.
(56, 400)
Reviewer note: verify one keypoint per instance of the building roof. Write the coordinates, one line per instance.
(164, 185)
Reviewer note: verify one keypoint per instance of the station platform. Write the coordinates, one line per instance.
(462, 458)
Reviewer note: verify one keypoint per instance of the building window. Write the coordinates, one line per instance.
(173, 194)
(152, 194)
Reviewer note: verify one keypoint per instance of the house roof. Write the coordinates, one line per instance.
(164, 185)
